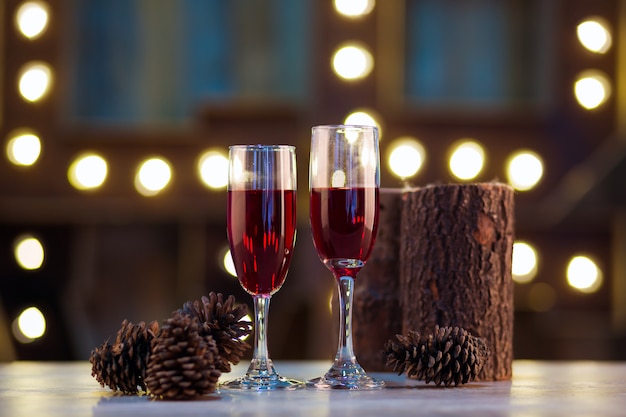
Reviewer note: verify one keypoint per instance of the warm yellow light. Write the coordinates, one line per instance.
(594, 34)
(35, 80)
(23, 148)
(354, 8)
(229, 265)
(87, 171)
(31, 18)
(363, 118)
(524, 267)
(406, 157)
(353, 62)
(467, 160)
(153, 175)
(524, 170)
(213, 169)
(583, 274)
(31, 325)
(29, 252)
(592, 89)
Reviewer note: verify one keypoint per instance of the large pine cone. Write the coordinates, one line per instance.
(182, 363)
(122, 365)
(450, 355)
(222, 320)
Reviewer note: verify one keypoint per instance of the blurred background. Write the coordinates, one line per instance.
(116, 116)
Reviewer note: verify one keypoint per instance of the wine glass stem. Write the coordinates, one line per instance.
(261, 363)
(345, 352)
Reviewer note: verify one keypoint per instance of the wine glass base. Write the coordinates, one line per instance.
(345, 378)
(262, 383)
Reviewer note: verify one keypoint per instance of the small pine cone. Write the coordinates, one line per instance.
(450, 355)
(122, 365)
(182, 363)
(222, 320)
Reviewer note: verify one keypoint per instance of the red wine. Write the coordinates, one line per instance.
(344, 222)
(261, 232)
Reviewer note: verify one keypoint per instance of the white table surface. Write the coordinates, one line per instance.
(537, 389)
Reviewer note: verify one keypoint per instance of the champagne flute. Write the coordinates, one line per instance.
(344, 180)
(261, 223)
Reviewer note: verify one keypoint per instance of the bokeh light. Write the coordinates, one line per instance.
(584, 274)
(364, 118)
(87, 171)
(592, 89)
(29, 252)
(524, 267)
(406, 157)
(594, 35)
(31, 19)
(23, 147)
(524, 170)
(153, 176)
(354, 8)
(29, 325)
(34, 81)
(352, 61)
(467, 160)
(213, 169)
(229, 265)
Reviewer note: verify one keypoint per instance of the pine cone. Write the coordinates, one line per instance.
(122, 365)
(182, 363)
(223, 321)
(450, 355)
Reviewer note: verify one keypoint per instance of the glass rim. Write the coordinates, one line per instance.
(343, 126)
(262, 147)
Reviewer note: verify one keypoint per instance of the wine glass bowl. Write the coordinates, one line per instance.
(261, 227)
(344, 181)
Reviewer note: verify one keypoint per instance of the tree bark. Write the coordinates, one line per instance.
(455, 256)
(377, 311)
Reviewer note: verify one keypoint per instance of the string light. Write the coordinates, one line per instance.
(354, 8)
(524, 265)
(352, 61)
(229, 265)
(406, 157)
(584, 274)
(153, 175)
(594, 35)
(34, 80)
(364, 118)
(31, 19)
(524, 170)
(87, 171)
(592, 89)
(29, 252)
(213, 169)
(467, 160)
(29, 325)
(23, 147)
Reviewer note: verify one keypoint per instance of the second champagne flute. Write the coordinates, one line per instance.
(344, 180)
(261, 222)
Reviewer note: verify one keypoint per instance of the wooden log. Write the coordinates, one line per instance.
(377, 313)
(455, 256)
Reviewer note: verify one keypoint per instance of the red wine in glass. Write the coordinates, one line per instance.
(262, 228)
(344, 178)
(344, 222)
